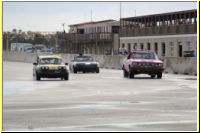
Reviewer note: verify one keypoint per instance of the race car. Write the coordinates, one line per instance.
(50, 66)
(84, 63)
(142, 62)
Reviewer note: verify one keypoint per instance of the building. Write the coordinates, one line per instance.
(99, 37)
(171, 34)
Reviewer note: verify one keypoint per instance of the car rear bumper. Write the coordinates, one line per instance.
(86, 67)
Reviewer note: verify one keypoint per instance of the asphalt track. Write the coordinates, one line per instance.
(97, 102)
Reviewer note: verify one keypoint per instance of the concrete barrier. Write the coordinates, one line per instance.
(181, 65)
(176, 65)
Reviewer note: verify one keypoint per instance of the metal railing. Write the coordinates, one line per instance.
(86, 38)
(163, 30)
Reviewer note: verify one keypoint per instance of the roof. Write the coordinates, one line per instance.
(161, 14)
(93, 22)
(50, 56)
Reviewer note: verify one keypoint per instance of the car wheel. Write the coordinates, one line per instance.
(130, 75)
(66, 77)
(37, 77)
(97, 71)
(153, 76)
(75, 71)
(125, 73)
(159, 75)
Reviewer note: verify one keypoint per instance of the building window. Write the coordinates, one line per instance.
(123, 45)
(171, 44)
(141, 46)
(163, 49)
(129, 46)
(156, 47)
(148, 46)
(135, 46)
(180, 49)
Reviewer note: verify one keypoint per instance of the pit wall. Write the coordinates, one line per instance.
(175, 65)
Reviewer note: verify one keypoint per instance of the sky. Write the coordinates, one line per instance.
(49, 16)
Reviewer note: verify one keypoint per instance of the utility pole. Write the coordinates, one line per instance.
(56, 44)
(120, 15)
(63, 25)
(63, 35)
(120, 10)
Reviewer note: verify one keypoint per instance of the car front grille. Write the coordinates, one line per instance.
(147, 64)
(53, 71)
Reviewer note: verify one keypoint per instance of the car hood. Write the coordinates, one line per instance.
(147, 60)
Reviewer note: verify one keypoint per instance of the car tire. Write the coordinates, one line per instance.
(37, 77)
(125, 73)
(153, 76)
(130, 75)
(159, 75)
(75, 71)
(66, 77)
(97, 71)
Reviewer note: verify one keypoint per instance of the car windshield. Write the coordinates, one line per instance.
(143, 56)
(50, 61)
(83, 58)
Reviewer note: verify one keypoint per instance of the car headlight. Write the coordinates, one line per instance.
(160, 64)
(135, 63)
(95, 63)
(44, 67)
(74, 63)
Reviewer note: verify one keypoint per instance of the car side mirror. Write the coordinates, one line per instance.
(34, 63)
(66, 63)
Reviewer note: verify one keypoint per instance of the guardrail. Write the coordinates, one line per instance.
(163, 30)
(176, 65)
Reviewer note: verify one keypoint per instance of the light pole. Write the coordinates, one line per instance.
(63, 36)
(120, 15)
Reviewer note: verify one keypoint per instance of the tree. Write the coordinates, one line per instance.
(14, 31)
(39, 39)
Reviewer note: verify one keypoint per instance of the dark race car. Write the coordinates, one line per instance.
(84, 64)
(142, 62)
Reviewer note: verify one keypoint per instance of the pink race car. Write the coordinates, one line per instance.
(142, 62)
